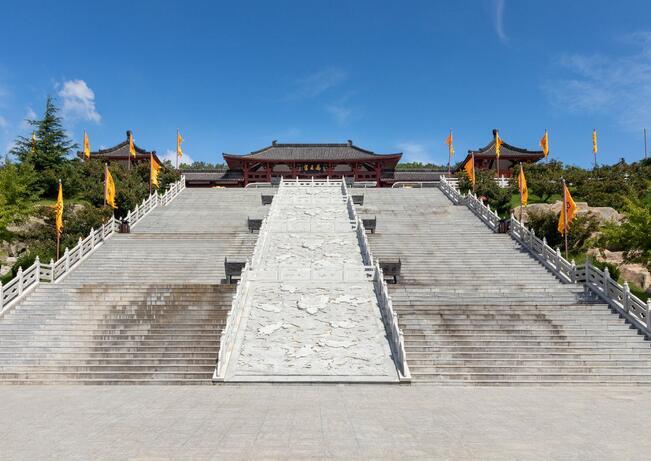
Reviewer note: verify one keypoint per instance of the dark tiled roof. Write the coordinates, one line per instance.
(506, 151)
(314, 152)
(120, 151)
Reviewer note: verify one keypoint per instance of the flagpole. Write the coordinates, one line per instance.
(645, 155)
(565, 215)
(450, 153)
(520, 187)
(474, 176)
(56, 229)
(105, 182)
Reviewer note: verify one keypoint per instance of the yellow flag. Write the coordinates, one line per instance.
(594, 141)
(109, 192)
(522, 185)
(469, 167)
(154, 169)
(179, 140)
(86, 146)
(58, 211)
(498, 144)
(448, 141)
(544, 144)
(132, 148)
(569, 207)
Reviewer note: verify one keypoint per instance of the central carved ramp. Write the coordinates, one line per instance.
(307, 309)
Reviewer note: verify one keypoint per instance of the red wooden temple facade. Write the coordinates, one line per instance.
(311, 160)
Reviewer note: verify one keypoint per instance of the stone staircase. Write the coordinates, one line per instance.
(104, 333)
(145, 307)
(477, 309)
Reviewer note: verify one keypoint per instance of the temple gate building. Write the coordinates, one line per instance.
(120, 154)
(317, 161)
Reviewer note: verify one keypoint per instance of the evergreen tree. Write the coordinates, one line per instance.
(51, 144)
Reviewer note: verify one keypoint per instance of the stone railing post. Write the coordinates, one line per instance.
(1, 296)
(37, 262)
(532, 236)
(81, 247)
(626, 298)
(648, 313)
(67, 259)
(20, 280)
(573, 274)
(558, 259)
(92, 238)
(52, 270)
(606, 281)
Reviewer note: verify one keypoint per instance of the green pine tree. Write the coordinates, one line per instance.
(48, 150)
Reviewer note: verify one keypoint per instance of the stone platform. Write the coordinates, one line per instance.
(267, 422)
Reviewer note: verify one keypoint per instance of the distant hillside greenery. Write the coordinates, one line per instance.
(420, 166)
(29, 179)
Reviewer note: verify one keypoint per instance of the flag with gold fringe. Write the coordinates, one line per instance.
(179, 140)
(594, 141)
(132, 147)
(86, 146)
(544, 144)
(109, 192)
(522, 186)
(448, 141)
(58, 211)
(469, 168)
(498, 144)
(154, 170)
(568, 211)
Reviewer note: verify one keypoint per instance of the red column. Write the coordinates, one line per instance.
(378, 173)
(246, 173)
(269, 167)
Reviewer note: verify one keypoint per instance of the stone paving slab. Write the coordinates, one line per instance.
(323, 422)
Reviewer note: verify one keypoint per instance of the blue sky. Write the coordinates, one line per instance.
(391, 76)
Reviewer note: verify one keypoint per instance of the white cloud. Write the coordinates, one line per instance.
(171, 156)
(340, 112)
(29, 115)
(3, 122)
(317, 83)
(414, 152)
(499, 20)
(78, 102)
(619, 86)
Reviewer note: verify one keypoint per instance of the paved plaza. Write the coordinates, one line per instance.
(323, 422)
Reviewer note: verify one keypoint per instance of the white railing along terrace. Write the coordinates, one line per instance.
(29, 278)
(594, 280)
(389, 316)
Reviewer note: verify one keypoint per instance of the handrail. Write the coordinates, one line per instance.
(27, 279)
(401, 184)
(594, 280)
(256, 185)
(389, 316)
(484, 212)
(234, 317)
